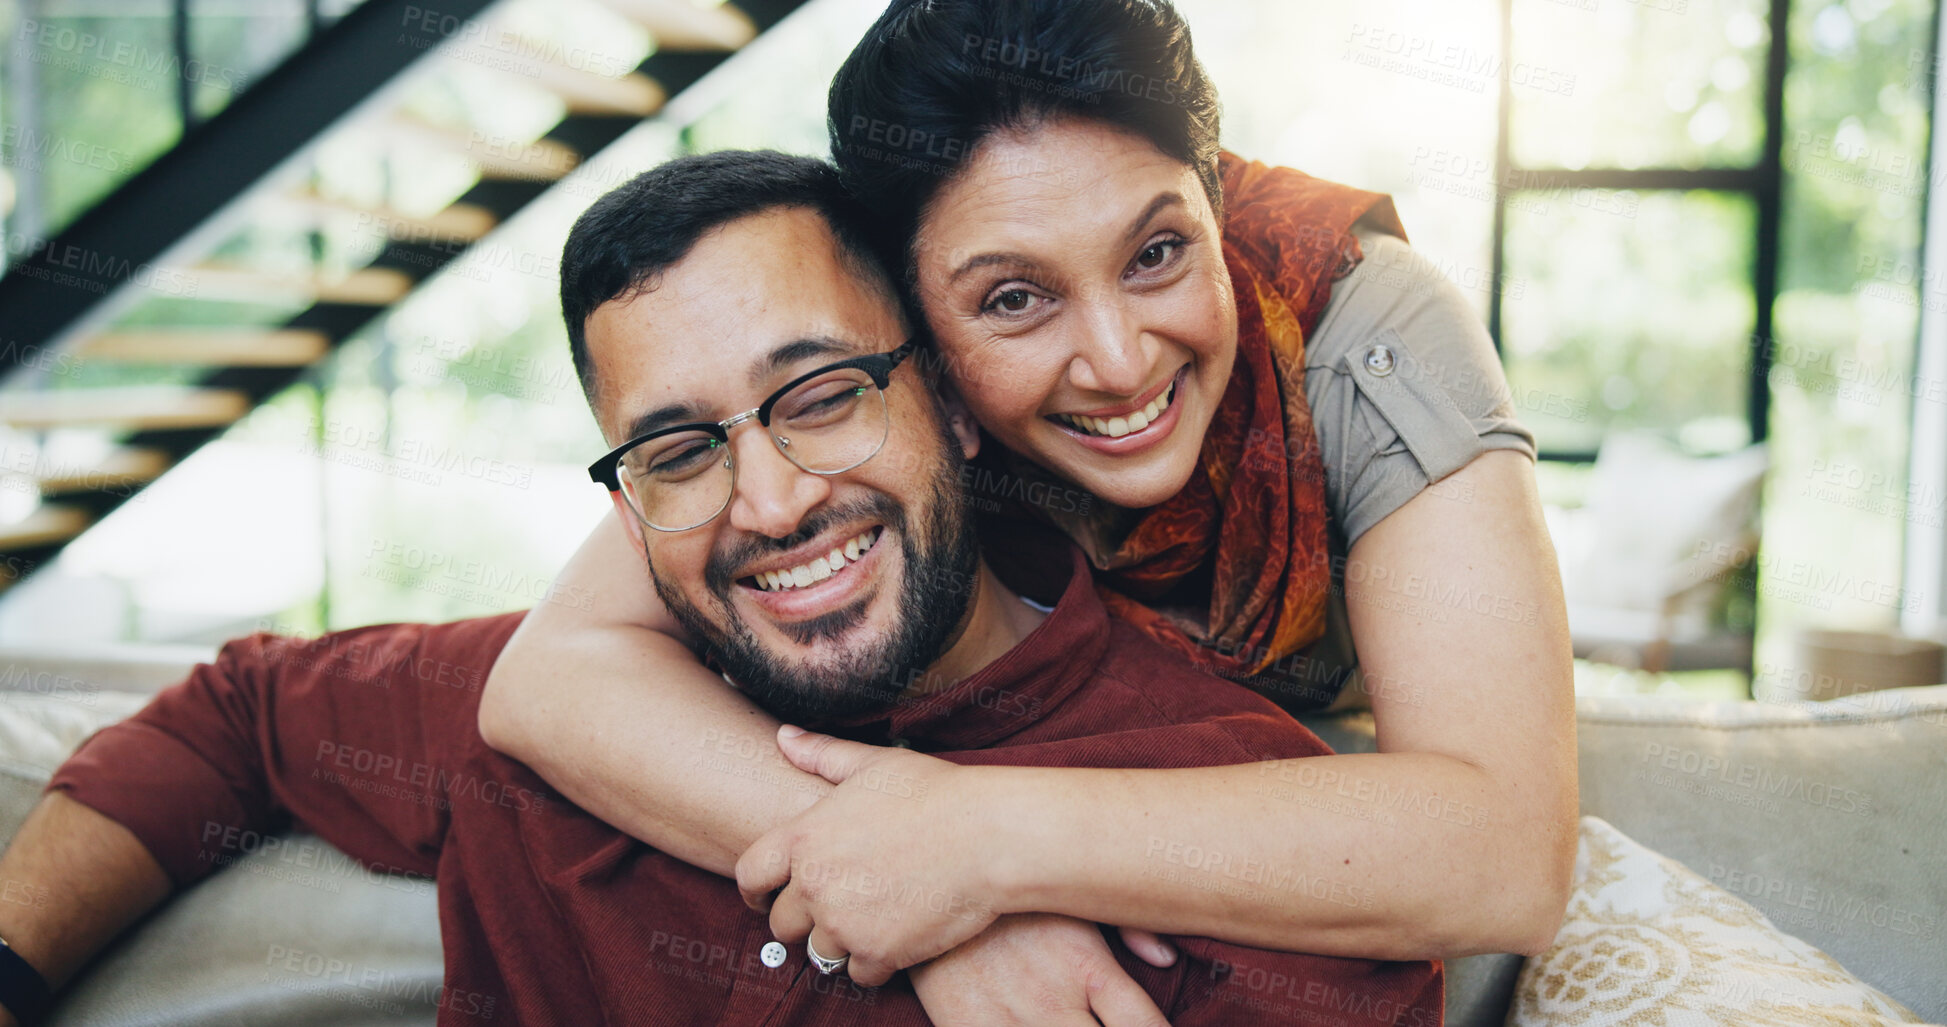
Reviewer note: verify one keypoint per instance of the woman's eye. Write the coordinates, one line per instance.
(1157, 254)
(1012, 301)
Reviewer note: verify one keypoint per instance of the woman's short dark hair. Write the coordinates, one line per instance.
(932, 78)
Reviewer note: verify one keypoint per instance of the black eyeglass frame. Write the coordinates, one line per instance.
(606, 472)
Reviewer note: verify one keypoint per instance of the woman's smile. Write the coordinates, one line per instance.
(1131, 427)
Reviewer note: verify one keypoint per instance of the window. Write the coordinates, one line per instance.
(1717, 233)
(91, 92)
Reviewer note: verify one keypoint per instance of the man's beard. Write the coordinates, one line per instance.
(940, 563)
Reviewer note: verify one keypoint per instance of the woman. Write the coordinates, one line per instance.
(1255, 415)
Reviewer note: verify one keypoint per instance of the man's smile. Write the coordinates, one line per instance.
(818, 577)
(818, 568)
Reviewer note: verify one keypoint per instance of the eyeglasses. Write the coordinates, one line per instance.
(826, 422)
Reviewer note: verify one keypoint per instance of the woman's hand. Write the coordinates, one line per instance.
(886, 869)
(1033, 970)
(847, 874)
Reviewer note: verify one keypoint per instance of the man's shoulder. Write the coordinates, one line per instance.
(433, 673)
(1136, 661)
(443, 668)
(1163, 687)
(459, 654)
(456, 655)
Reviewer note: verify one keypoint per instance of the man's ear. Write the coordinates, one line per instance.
(959, 419)
(631, 525)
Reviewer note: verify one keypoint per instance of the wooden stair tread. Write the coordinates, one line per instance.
(120, 467)
(633, 95)
(584, 90)
(682, 25)
(218, 347)
(46, 526)
(136, 407)
(538, 160)
(459, 222)
(367, 287)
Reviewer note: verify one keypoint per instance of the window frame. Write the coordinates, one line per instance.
(1762, 182)
(1925, 565)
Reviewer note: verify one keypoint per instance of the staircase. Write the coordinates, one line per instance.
(149, 279)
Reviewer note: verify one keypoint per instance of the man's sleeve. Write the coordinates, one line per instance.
(354, 736)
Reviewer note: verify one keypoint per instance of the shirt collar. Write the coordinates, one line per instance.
(1013, 692)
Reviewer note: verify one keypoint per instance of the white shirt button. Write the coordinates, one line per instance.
(772, 954)
(1379, 360)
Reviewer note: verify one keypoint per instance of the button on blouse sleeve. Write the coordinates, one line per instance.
(1404, 384)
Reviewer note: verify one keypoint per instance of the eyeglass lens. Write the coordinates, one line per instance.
(829, 424)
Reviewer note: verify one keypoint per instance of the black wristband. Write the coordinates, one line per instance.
(22, 988)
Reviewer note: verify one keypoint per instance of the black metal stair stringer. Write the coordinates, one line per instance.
(586, 134)
(60, 279)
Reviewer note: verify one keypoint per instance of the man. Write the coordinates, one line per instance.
(818, 545)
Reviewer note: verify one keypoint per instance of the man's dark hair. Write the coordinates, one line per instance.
(622, 244)
(932, 78)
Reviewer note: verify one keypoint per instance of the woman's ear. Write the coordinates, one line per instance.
(959, 419)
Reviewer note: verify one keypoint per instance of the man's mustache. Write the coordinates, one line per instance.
(720, 572)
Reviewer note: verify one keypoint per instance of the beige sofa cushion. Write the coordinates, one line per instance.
(1646, 939)
(1768, 822)
(1830, 818)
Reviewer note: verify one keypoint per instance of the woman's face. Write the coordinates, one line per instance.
(1073, 276)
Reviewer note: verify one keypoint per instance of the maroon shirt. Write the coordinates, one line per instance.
(551, 916)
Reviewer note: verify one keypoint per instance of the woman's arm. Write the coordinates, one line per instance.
(1457, 837)
(605, 702)
(1457, 612)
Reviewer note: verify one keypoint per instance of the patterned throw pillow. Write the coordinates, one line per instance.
(1647, 941)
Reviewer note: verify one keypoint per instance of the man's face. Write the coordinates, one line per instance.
(707, 342)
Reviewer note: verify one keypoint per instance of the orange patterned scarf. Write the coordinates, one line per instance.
(1255, 512)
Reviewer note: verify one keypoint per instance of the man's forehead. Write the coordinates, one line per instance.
(750, 300)
(781, 270)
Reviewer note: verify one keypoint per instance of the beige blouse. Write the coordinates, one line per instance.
(1405, 388)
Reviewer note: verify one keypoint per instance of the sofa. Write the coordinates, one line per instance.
(1830, 818)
